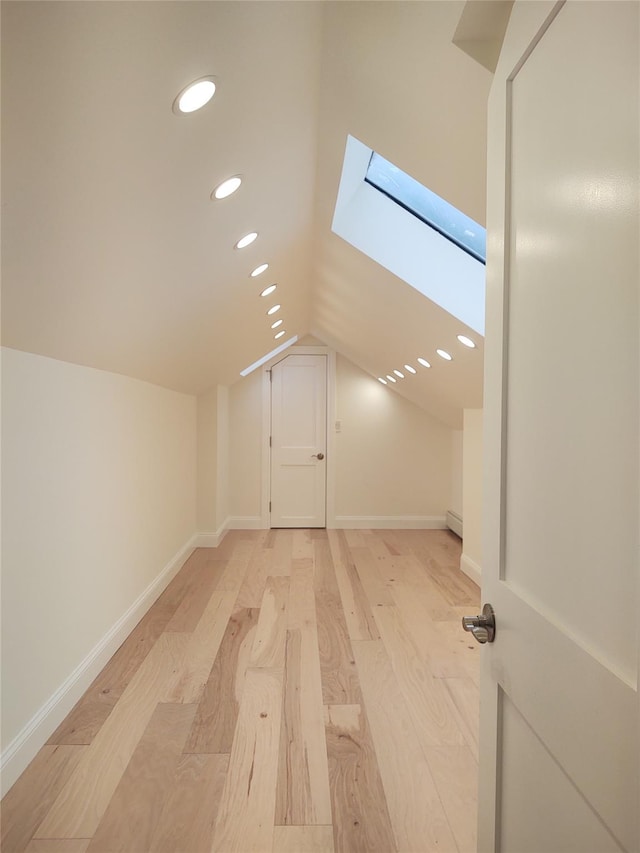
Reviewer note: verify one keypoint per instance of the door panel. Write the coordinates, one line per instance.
(298, 434)
(563, 808)
(572, 332)
(559, 727)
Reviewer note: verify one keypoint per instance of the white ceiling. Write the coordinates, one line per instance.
(114, 256)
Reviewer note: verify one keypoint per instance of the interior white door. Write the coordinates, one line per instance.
(559, 698)
(299, 441)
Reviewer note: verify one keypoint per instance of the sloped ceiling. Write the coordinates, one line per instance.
(115, 257)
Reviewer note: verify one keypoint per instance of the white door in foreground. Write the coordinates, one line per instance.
(298, 441)
(559, 700)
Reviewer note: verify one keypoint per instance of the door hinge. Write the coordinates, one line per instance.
(270, 375)
(269, 506)
(269, 441)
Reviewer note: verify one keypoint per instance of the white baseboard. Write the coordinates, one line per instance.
(245, 522)
(472, 570)
(23, 748)
(387, 522)
(211, 540)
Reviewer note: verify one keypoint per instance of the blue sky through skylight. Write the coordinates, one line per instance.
(427, 206)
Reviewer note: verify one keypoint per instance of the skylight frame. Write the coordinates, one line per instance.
(401, 243)
(402, 189)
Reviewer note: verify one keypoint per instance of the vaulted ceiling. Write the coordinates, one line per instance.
(115, 256)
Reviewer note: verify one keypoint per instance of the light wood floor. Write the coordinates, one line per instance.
(290, 691)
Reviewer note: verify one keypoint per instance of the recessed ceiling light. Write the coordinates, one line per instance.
(380, 379)
(268, 290)
(245, 241)
(444, 354)
(273, 310)
(280, 334)
(259, 270)
(391, 378)
(410, 369)
(466, 341)
(423, 362)
(194, 96)
(226, 188)
(397, 373)
(276, 324)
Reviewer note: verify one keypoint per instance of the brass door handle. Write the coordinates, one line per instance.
(319, 456)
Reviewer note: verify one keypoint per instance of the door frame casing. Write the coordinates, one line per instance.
(265, 454)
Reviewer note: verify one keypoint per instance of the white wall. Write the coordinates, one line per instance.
(245, 460)
(213, 466)
(207, 442)
(99, 497)
(393, 459)
(222, 457)
(456, 471)
(471, 560)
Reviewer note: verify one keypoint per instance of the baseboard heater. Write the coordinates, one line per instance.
(454, 522)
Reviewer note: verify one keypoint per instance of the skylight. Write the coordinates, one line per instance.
(433, 255)
(427, 206)
(268, 356)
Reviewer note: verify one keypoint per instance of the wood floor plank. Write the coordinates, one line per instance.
(306, 701)
(339, 677)
(303, 839)
(271, 633)
(187, 821)
(237, 566)
(251, 591)
(419, 822)
(456, 776)
(442, 545)
(90, 713)
(439, 553)
(83, 800)
(302, 545)
(25, 805)
(202, 649)
(245, 818)
(302, 796)
(392, 542)
(426, 697)
(82, 724)
(173, 594)
(375, 544)
(279, 560)
(455, 586)
(215, 721)
(138, 802)
(357, 610)
(59, 845)
(301, 611)
(371, 577)
(356, 538)
(408, 571)
(451, 652)
(466, 709)
(360, 815)
(206, 577)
